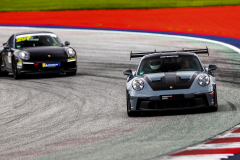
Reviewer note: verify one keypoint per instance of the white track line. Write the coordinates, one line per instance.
(204, 147)
(215, 146)
(171, 36)
(137, 33)
(228, 135)
(197, 157)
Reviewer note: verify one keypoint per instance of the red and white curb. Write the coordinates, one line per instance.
(219, 147)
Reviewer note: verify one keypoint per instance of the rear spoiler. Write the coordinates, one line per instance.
(196, 51)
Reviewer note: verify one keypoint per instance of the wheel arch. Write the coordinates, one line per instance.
(15, 57)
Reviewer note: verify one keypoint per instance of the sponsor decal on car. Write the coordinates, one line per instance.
(168, 56)
(51, 64)
(172, 97)
(19, 65)
(166, 97)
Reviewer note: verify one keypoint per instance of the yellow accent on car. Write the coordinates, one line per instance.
(71, 59)
(43, 65)
(22, 39)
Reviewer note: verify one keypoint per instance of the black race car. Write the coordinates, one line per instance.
(37, 53)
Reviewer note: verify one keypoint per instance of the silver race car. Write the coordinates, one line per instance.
(170, 80)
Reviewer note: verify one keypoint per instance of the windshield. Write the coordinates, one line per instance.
(34, 40)
(171, 63)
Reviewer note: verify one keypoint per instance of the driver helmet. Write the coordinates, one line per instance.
(184, 63)
(155, 64)
(22, 44)
(42, 40)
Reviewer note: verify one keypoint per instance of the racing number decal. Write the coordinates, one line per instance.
(22, 39)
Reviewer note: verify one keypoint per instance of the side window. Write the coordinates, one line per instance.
(10, 41)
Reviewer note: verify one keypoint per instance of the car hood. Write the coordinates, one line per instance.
(171, 80)
(49, 53)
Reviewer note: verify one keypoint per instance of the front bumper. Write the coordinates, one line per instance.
(37, 68)
(187, 101)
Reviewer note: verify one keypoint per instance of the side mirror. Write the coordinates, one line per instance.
(127, 72)
(6, 46)
(67, 43)
(212, 67)
(206, 68)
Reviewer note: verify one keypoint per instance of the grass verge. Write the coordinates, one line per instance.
(46, 5)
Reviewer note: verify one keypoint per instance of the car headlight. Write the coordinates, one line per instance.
(203, 80)
(137, 84)
(70, 52)
(24, 55)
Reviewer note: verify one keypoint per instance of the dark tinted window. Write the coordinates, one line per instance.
(170, 64)
(34, 40)
(10, 41)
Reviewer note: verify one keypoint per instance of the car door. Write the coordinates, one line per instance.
(7, 53)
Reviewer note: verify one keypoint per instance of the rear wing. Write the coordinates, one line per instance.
(196, 51)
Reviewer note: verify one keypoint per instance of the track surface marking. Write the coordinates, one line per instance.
(84, 116)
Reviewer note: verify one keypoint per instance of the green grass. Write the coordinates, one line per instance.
(45, 5)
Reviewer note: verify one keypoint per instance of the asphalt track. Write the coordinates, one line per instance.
(84, 116)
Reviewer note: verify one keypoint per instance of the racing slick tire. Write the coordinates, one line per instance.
(71, 73)
(215, 108)
(129, 112)
(16, 75)
(2, 72)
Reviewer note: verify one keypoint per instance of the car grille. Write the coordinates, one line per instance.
(171, 104)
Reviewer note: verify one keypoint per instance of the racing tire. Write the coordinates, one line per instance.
(214, 109)
(2, 73)
(71, 73)
(16, 75)
(129, 112)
